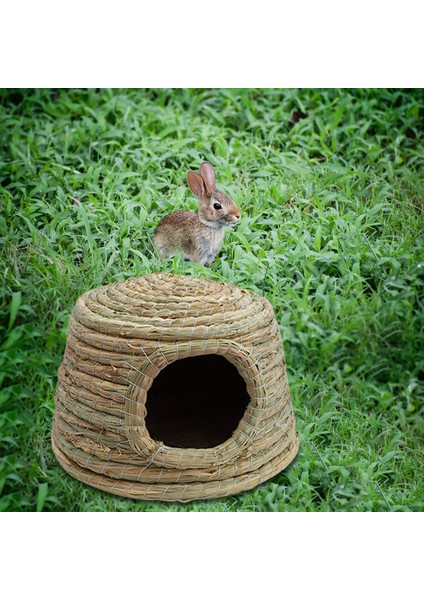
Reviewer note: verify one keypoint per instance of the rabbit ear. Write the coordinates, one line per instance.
(196, 184)
(208, 175)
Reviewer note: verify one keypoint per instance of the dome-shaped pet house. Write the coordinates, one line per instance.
(173, 388)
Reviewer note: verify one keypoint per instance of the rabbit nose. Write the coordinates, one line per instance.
(237, 217)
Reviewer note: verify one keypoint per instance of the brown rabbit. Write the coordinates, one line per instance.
(199, 236)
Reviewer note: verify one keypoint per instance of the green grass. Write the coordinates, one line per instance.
(330, 185)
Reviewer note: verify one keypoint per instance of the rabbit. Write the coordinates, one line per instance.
(199, 236)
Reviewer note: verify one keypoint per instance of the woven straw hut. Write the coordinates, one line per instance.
(173, 388)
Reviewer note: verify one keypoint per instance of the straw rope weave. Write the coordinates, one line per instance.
(120, 337)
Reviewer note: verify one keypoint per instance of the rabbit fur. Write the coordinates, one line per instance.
(199, 236)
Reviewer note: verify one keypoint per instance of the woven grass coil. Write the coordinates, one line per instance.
(121, 337)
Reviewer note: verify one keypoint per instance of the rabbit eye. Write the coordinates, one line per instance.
(217, 206)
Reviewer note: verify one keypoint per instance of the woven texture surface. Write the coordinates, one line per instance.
(120, 337)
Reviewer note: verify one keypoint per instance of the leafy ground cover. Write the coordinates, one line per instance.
(330, 185)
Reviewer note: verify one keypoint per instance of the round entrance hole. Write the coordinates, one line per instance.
(196, 402)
